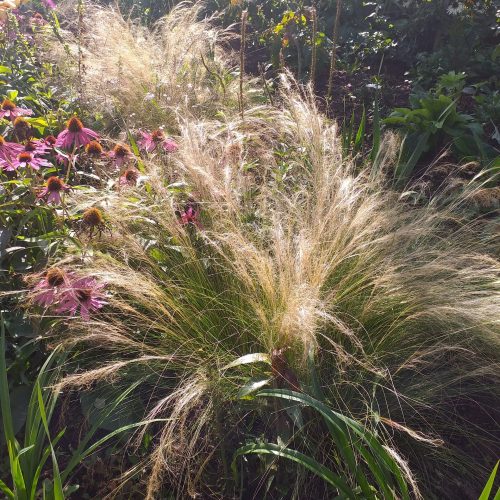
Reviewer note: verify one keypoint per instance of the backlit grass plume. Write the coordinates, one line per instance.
(145, 77)
(257, 237)
(387, 312)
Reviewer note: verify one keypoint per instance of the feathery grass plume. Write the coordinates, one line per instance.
(396, 307)
(145, 77)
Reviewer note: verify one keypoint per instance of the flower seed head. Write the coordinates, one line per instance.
(93, 217)
(25, 157)
(8, 105)
(74, 125)
(55, 277)
(121, 150)
(93, 148)
(54, 184)
(158, 135)
(21, 123)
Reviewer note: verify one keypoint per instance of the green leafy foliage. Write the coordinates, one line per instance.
(353, 442)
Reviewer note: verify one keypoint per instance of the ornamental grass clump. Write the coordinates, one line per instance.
(335, 287)
(142, 76)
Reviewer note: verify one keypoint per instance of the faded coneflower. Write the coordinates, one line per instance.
(129, 177)
(46, 292)
(22, 129)
(94, 149)
(9, 150)
(75, 135)
(93, 221)
(120, 155)
(85, 295)
(151, 141)
(52, 190)
(10, 111)
(26, 159)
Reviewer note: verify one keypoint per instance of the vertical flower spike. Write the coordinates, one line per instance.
(52, 190)
(75, 135)
(10, 111)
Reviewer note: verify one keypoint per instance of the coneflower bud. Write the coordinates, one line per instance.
(55, 277)
(74, 125)
(50, 140)
(92, 217)
(93, 148)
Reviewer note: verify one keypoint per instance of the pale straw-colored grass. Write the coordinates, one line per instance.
(397, 306)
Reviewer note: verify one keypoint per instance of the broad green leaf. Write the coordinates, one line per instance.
(258, 357)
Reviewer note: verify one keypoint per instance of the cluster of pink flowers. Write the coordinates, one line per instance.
(68, 293)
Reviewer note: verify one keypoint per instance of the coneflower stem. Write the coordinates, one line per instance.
(333, 57)
(216, 75)
(80, 52)
(314, 19)
(244, 15)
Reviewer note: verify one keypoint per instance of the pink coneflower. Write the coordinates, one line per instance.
(9, 150)
(191, 215)
(120, 154)
(26, 159)
(129, 177)
(46, 292)
(52, 190)
(36, 147)
(150, 142)
(75, 135)
(85, 294)
(10, 111)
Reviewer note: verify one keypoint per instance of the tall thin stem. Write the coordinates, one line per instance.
(333, 58)
(244, 16)
(80, 9)
(314, 19)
